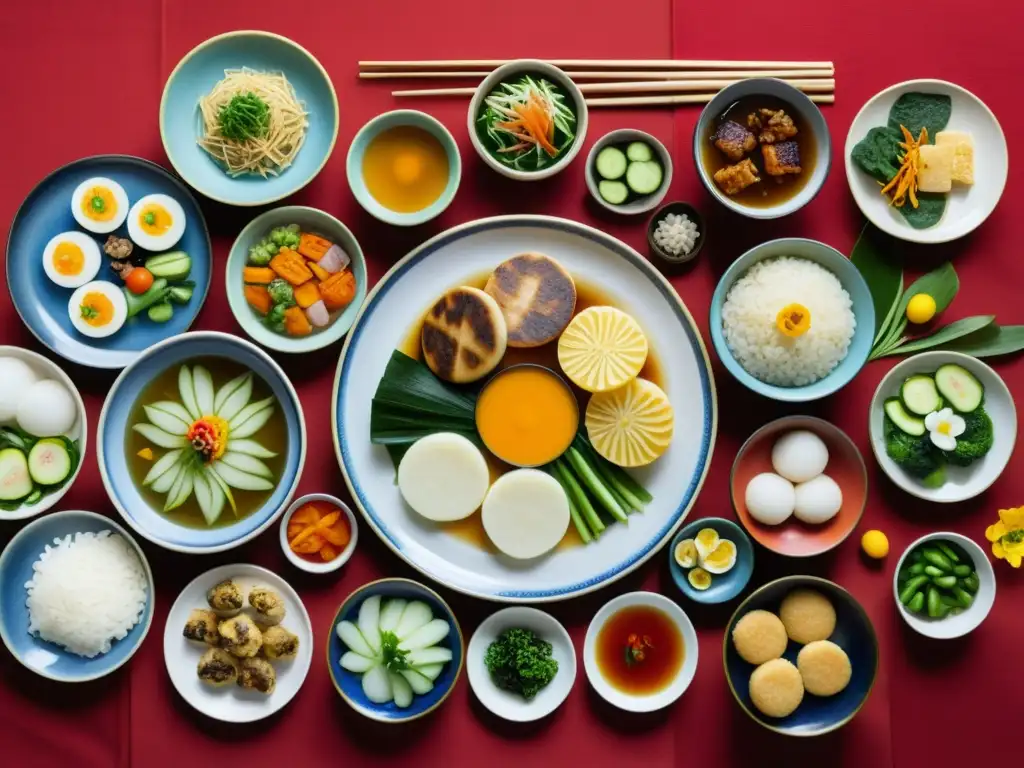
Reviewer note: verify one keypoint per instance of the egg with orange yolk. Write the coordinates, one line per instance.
(99, 205)
(156, 222)
(71, 259)
(98, 309)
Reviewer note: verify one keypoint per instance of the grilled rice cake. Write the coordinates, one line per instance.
(733, 179)
(464, 335)
(733, 140)
(781, 158)
(537, 296)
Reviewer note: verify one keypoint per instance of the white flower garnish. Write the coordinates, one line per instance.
(944, 427)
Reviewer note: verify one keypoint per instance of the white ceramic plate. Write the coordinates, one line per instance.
(231, 703)
(961, 623)
(664, 697)
(966, 207)
(962, 483)
(506, 704)
(400, 299)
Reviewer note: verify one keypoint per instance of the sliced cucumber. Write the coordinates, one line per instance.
(11, 439)
(920, 396)
(15, 481)
(960, 387)
(907, 422)
(180, 294)
(49, 462)
(160, 313)
(611, 163)
(614, 192)
(644, 177)
(33, 497)
(639, 152)
(174, 265)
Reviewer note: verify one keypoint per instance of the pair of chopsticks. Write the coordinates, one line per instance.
(621, 82)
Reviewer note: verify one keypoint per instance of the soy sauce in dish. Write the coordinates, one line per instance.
(640, 650)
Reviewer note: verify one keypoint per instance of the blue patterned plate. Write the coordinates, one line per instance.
(43, 306)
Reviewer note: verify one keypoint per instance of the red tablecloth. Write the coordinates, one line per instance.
(85, 79)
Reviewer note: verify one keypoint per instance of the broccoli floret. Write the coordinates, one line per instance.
(270, 247)
(916, 455)
(294, 228)
(258, 256)
(520, 662)
(275, 318)
(975, 441)
(281, 293)
(278, 236)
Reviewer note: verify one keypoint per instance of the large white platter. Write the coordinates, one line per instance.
(401, 298)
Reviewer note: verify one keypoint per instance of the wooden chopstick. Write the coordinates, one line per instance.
(601, 64)
(808, 86)
(707, 74)
(682, 98)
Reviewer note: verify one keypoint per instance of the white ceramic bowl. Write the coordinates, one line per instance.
(968, 620)
(506, 704)
(671, 692)
(47, 369)
(624, 136)
(506, 72)
(307, 565)
(966, 207)
(962, 483)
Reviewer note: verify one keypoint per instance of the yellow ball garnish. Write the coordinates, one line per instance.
(793, 320)
(875, 544)
(920, 308)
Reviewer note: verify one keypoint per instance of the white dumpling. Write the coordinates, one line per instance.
(818, 500)
(770, 498)
(799, 456)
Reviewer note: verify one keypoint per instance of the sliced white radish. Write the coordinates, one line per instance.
(435, 655)
(431, 633)
(430, 671)
(416, 614)
(526, 513)
(353, 638)
(443, 477)
(318, 315)
(369, 621)
(377, 685)
(401, 690)
(334, 259)
(419, 683)
(356, 663)
(390, 613)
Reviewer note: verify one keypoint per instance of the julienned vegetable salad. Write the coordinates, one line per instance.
(298, 281)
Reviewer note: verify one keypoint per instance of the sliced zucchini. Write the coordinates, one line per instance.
(611, 163)
(919, 395)
(160, 313)
(49, 462)
(172, 266)
(15, 482)
(639, 152)
(644, 177)
(907, 422)
(960, 387)
(614, 192)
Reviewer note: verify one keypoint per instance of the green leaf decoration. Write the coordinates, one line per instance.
(990, 341)
(883, 276)
(944, 335)
(941, 284)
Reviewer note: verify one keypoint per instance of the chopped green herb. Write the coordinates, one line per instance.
(520, 662)
(245, 117)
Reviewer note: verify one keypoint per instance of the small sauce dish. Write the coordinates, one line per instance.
(678, 209)
(311, 566)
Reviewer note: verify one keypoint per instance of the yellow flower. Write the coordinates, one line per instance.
(1007, 536)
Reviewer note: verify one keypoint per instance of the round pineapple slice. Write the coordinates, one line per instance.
(630, 426)
(602, 349)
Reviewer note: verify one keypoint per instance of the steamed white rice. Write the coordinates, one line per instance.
(87, 591)
(753, 303)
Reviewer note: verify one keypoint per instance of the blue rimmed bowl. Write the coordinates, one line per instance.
(194, 77)
(44, 658)
(724, 586)
(395, 119)
(310, 220)
(349, 685)
(43, 306)
(851, 280)
(115, 423)
(854, 633)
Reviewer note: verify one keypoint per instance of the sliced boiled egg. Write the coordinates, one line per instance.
(98, 309)
(71, 259)
(99, 205)
(721, 559)
(686, 553)
(705, 541)
(699, 579)
(156, 222)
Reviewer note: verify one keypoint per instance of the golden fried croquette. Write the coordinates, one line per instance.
(824, 667)
(759, 636)
(807, 615)
(241, 636)
(776, 688)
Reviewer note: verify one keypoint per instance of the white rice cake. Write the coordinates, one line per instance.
(936, 174)
(963, 159)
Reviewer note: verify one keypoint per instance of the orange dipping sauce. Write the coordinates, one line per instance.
(640, 650)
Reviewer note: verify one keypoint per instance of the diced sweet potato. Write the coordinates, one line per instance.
(257, 275)
(290, 266)
(296, 323)
(312, 246)
(320, 273)
(258, 298)
(307, 294)
(338, 290)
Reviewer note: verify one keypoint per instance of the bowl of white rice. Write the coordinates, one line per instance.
(793, 320)
(76, 596)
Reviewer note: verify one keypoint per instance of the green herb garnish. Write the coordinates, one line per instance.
(245, 117)
(149, 218)
(392, 656)
(97, 204)
(520, 662)
(89, 312)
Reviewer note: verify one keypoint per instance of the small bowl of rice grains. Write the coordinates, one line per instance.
(675, 233)
(793, 320)
(76, 596)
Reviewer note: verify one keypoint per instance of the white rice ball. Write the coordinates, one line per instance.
(799, 456)
(818, 500)
(16, 376)
(770, 498)
(47, 409)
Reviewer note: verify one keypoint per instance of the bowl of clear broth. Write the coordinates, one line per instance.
(404, 167)
(762, 148)
(201, 442)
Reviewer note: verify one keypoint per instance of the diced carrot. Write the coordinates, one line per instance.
(338, 290)
(308, 514)
(292, 267)
(328, 553)
(145, 453)
(258, 275)
(320, 273)
(338, 534)
(258, 298)
(307, 546)
(296, 323)
(312, 246)
(307, 294)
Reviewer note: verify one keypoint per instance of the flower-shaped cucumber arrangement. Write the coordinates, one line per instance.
(938, 419)
(394, 646)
